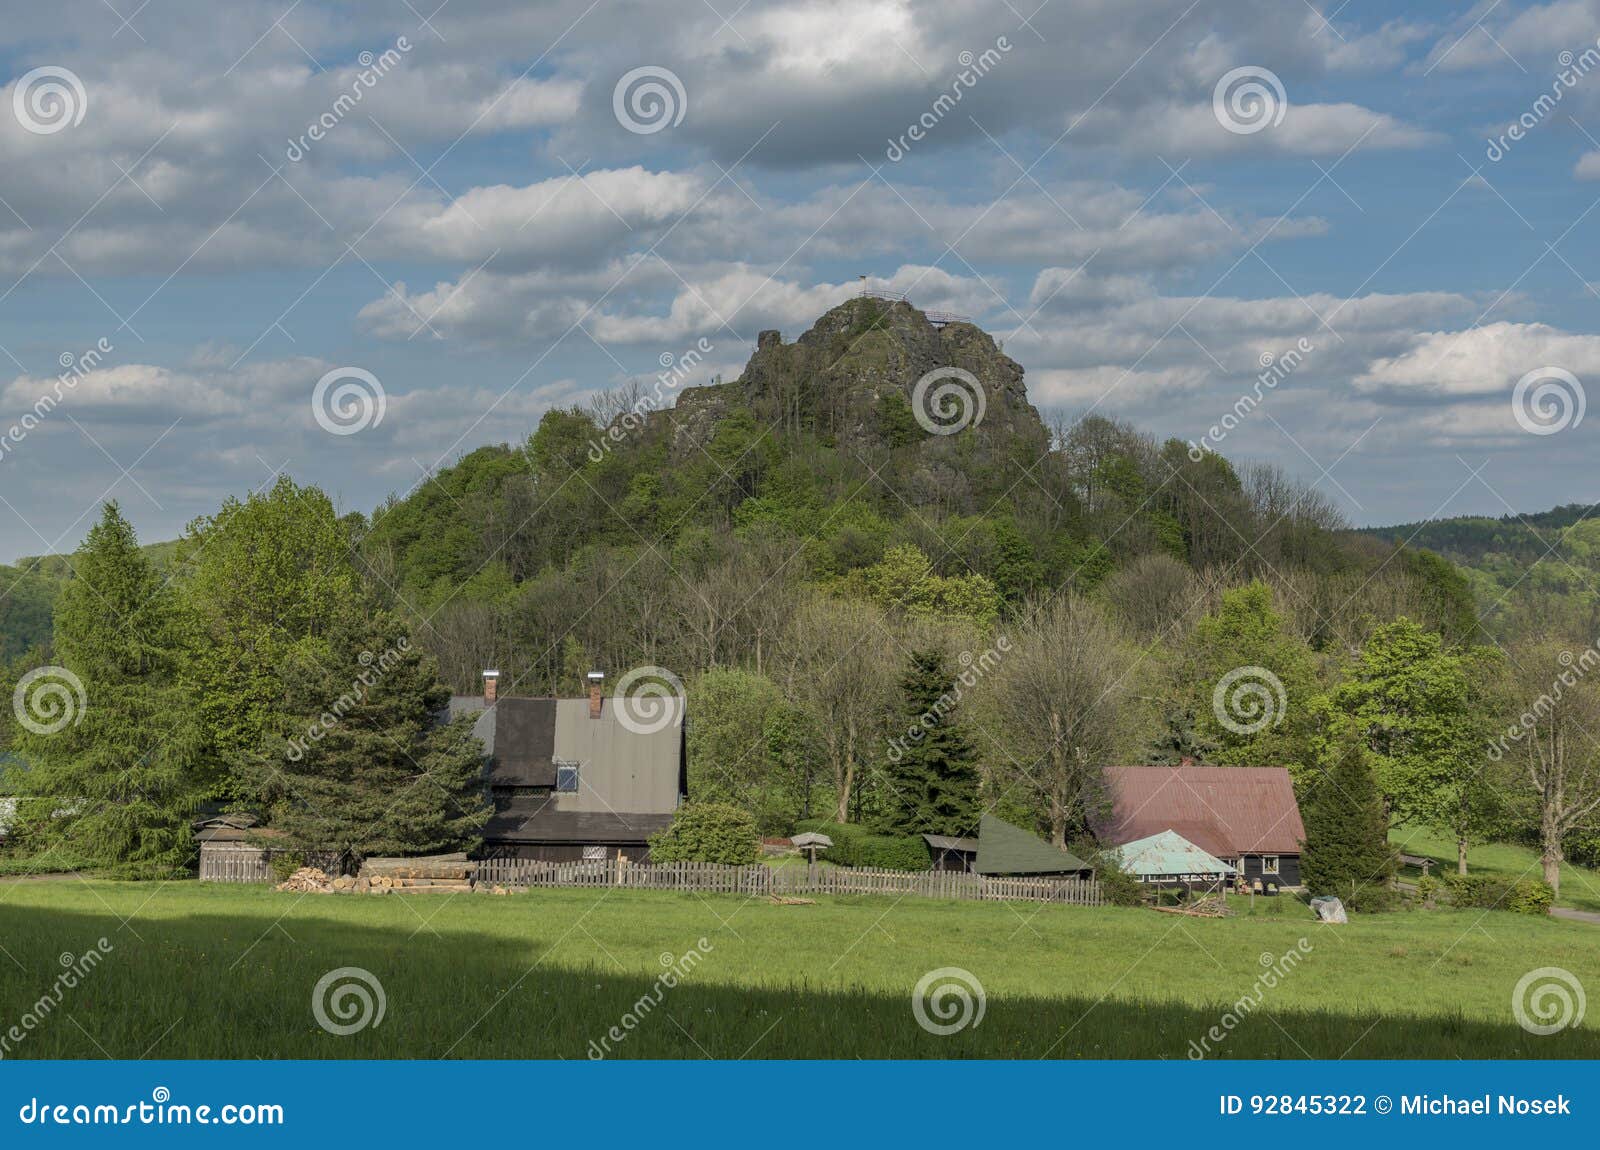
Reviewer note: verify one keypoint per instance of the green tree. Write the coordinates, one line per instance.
(1413, 705)
(355, 760)
(1347, 850)
(267, 576)
(933, 770)
(728, 746)
(115, 766)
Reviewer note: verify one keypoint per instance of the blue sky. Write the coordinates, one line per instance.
(483, 236)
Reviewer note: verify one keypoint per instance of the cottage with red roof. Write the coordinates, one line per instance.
(1245, 816)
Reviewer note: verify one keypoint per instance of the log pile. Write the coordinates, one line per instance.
(308, 880)
(447, 873)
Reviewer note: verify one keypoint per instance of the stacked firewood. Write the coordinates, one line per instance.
(308, 880)
(437, 873)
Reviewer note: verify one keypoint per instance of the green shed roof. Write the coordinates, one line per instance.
(1005, 849)
(1168, 853)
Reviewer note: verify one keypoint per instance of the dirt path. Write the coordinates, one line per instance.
(1575, 915)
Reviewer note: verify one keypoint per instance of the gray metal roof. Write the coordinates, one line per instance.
(628, 765)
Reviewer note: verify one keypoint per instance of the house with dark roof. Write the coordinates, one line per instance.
(575, 779)
(1246, 817)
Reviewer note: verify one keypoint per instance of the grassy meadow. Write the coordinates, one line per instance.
(228, 972)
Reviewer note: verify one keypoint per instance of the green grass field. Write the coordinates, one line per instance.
(1580, 887)
(228, 972)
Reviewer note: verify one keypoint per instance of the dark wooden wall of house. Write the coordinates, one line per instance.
(1288, 870)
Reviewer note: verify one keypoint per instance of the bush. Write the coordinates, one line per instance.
(285, 863)
(1428, 888)
(1488, 892)
(1531, 896)
(1117, 886)
(707, 832)
(856, 846)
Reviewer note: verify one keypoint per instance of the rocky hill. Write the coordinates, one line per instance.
(873, 374)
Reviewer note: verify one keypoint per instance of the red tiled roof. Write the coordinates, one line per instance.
(1228, 811)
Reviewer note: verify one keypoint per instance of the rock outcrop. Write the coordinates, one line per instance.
(873, 375)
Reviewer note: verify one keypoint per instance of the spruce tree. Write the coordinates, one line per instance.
(355, 758)
(114, 764)
(933, 773)
(1347, 850)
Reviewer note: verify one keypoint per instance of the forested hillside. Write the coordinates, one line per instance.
(1528, 572)
(894, 593)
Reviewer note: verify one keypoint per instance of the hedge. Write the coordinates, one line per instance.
(856, 846)
(1487, 892)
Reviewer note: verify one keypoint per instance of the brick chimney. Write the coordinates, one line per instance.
(491, 680)
(597, 684)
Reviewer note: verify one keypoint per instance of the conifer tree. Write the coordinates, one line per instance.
(108, 737)
(1347, 850)
(355, 758)
(933, 773)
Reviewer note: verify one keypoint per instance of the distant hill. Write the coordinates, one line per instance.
(1538, 571)
(28, 590)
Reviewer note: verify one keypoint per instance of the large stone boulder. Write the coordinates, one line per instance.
(1329, 909)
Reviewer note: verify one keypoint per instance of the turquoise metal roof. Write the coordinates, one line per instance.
(1168, 853)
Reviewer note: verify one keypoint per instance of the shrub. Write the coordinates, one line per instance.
(1488, 892)
(1428, 888)
(285, 863)
(856, 846)
(1117, 886)
(707, 832)
(1530, 896)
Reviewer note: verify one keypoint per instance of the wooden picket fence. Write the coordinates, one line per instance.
(715, 878)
